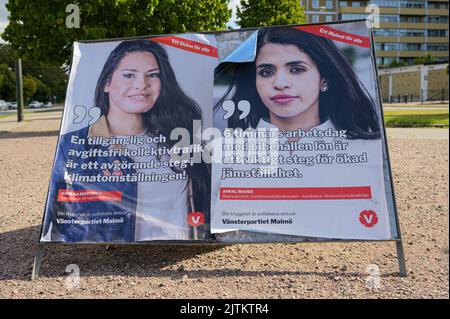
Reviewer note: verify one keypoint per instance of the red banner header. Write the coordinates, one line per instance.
(188, 45)
(337, 35)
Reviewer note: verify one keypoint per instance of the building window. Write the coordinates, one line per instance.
(412, 19)
(437, 47)
(353, 16)
(343, 4)
(357, 4)
(412, 4)
(385, 32)
(411, 47)
(315, 18)
(437, 33)
(315, 4)
(437, 5)
(386, 46)
(411, 33)
(328, 18)
(389, 46)
(388, 18)
(329, 4)
(385, 3)
(437, 19)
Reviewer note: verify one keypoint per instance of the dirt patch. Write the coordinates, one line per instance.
(332, 270)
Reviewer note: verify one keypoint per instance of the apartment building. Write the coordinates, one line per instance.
(406, 30)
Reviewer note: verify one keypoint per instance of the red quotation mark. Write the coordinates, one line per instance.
(196, 219)
(368, 218)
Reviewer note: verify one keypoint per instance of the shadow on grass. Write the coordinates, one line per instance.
(18, 249)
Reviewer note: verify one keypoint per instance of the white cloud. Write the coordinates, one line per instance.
(3, 18)
(233, 4)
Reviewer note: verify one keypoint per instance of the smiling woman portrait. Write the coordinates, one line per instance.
(139, 96)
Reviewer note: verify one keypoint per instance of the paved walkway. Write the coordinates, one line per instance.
(415, 108)
(417, 104)
(10, 123)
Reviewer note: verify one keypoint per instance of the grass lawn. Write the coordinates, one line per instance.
(407, 118)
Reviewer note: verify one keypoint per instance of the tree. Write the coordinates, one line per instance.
(261, 13)
(8, 84)
(51, 79)
(30, 85)
(38, 29)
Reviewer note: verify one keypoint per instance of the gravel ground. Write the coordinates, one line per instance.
(331, 270)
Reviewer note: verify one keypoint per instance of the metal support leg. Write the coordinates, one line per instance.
(37, 262)
(401, 259)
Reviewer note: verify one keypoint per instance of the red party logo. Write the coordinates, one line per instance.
(196, 219)
(368, 218)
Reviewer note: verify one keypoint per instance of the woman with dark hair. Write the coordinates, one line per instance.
(298, 81)
(139, 96)
(321, 141)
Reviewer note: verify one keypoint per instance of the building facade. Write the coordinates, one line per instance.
(404, 30)
(414, 83)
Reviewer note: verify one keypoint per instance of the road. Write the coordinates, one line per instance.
(47, 109)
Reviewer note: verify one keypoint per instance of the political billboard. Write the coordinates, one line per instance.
(256, 135)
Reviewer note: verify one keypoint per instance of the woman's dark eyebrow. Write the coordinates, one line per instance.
(134, 70)
(268, 65)
(296, 63)
(265, 65)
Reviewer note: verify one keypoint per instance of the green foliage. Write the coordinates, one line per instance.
(30, 85)
(426, 59)
(43, 81)
(262, 13)
(37, 29)
(8, 84)
(395, 64)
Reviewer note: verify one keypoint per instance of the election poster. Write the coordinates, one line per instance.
(302, 154)
(128, 102)
(258, 135)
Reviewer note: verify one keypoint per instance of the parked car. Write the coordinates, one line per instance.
(13, 105)
(35, 105)
(48, 104)
(3, 105)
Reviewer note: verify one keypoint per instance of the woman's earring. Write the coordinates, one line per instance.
(324, 87)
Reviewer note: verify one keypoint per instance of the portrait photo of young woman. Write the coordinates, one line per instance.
(299, 81)
(301, 86)
(139, 96)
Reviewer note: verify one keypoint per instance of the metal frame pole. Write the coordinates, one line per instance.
(37, 262)
(401, 258)
(19, 90)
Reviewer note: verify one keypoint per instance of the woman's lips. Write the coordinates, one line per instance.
(139, 97)
(283, 98)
